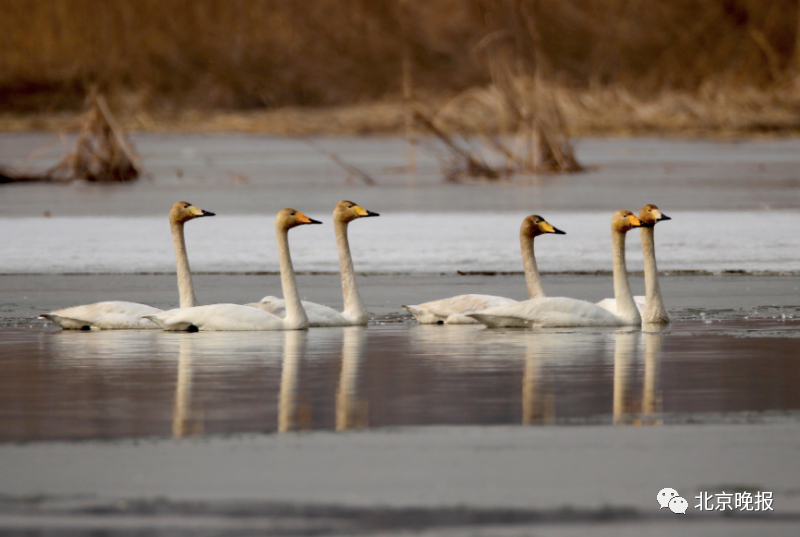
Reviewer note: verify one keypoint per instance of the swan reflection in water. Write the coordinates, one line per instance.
(653, 334)
(351, 411)
(292, 416)
(187, 419)
(546, 351)
(538, 402)
(628, 410)
(549, 370)
(295, 412)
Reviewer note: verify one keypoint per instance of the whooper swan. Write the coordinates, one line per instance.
(453, 310)
(116, 314)
(239, 317)
(651, 306)
(563, 312)
(355, 313)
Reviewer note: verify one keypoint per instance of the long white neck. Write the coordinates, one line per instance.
(295, 314)
(626, 307)
(532, 278)
(185, 287)
(654, 310)
(354, 308)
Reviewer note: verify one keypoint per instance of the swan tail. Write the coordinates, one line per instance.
(178, 326)
(498, 321)
(154, 319)
(67, 323)
(423, 316)
(171, 326)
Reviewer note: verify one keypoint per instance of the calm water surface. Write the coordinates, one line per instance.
(112, 384)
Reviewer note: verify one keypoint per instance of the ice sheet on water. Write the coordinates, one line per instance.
(401, 242)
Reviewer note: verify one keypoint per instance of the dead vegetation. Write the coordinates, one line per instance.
(528, 133)
(102, 152)
(216, 54)
(728, 67)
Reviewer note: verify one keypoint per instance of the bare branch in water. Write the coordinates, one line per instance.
(102, 152)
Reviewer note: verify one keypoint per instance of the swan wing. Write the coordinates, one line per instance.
(318, 314)
(610, 304)
(271, 304)
(218, 317)
(109, 315)
(548, 312)
(453, 310)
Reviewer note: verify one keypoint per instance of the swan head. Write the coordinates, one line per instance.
(624, 221)
(289, 218)
(650, 215)
(183, 211)
(347, 211)
(534, 225)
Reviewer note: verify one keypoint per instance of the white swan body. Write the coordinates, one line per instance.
(110, 315)
(318, 314)
(121, 315)
(239, 317)
(548, 312)
(355, 312)
(568, 312)
(221, 317)
(651, 305)
(454, 310)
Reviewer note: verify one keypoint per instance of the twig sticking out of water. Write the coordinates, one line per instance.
(349, 168)
(462, 162)
(102, 152)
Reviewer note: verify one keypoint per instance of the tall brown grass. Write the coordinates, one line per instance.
(267, 53)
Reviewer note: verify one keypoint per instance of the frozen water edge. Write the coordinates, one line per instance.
(749, 241)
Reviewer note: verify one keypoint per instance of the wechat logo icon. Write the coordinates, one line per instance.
(671, 499)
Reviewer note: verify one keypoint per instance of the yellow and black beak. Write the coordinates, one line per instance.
(198, 212)
(661, 216)
(547, 228)
(362, 212)
(303, 219)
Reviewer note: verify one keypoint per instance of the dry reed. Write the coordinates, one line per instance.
(149, 54)
(102, 152)
(619, 66)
